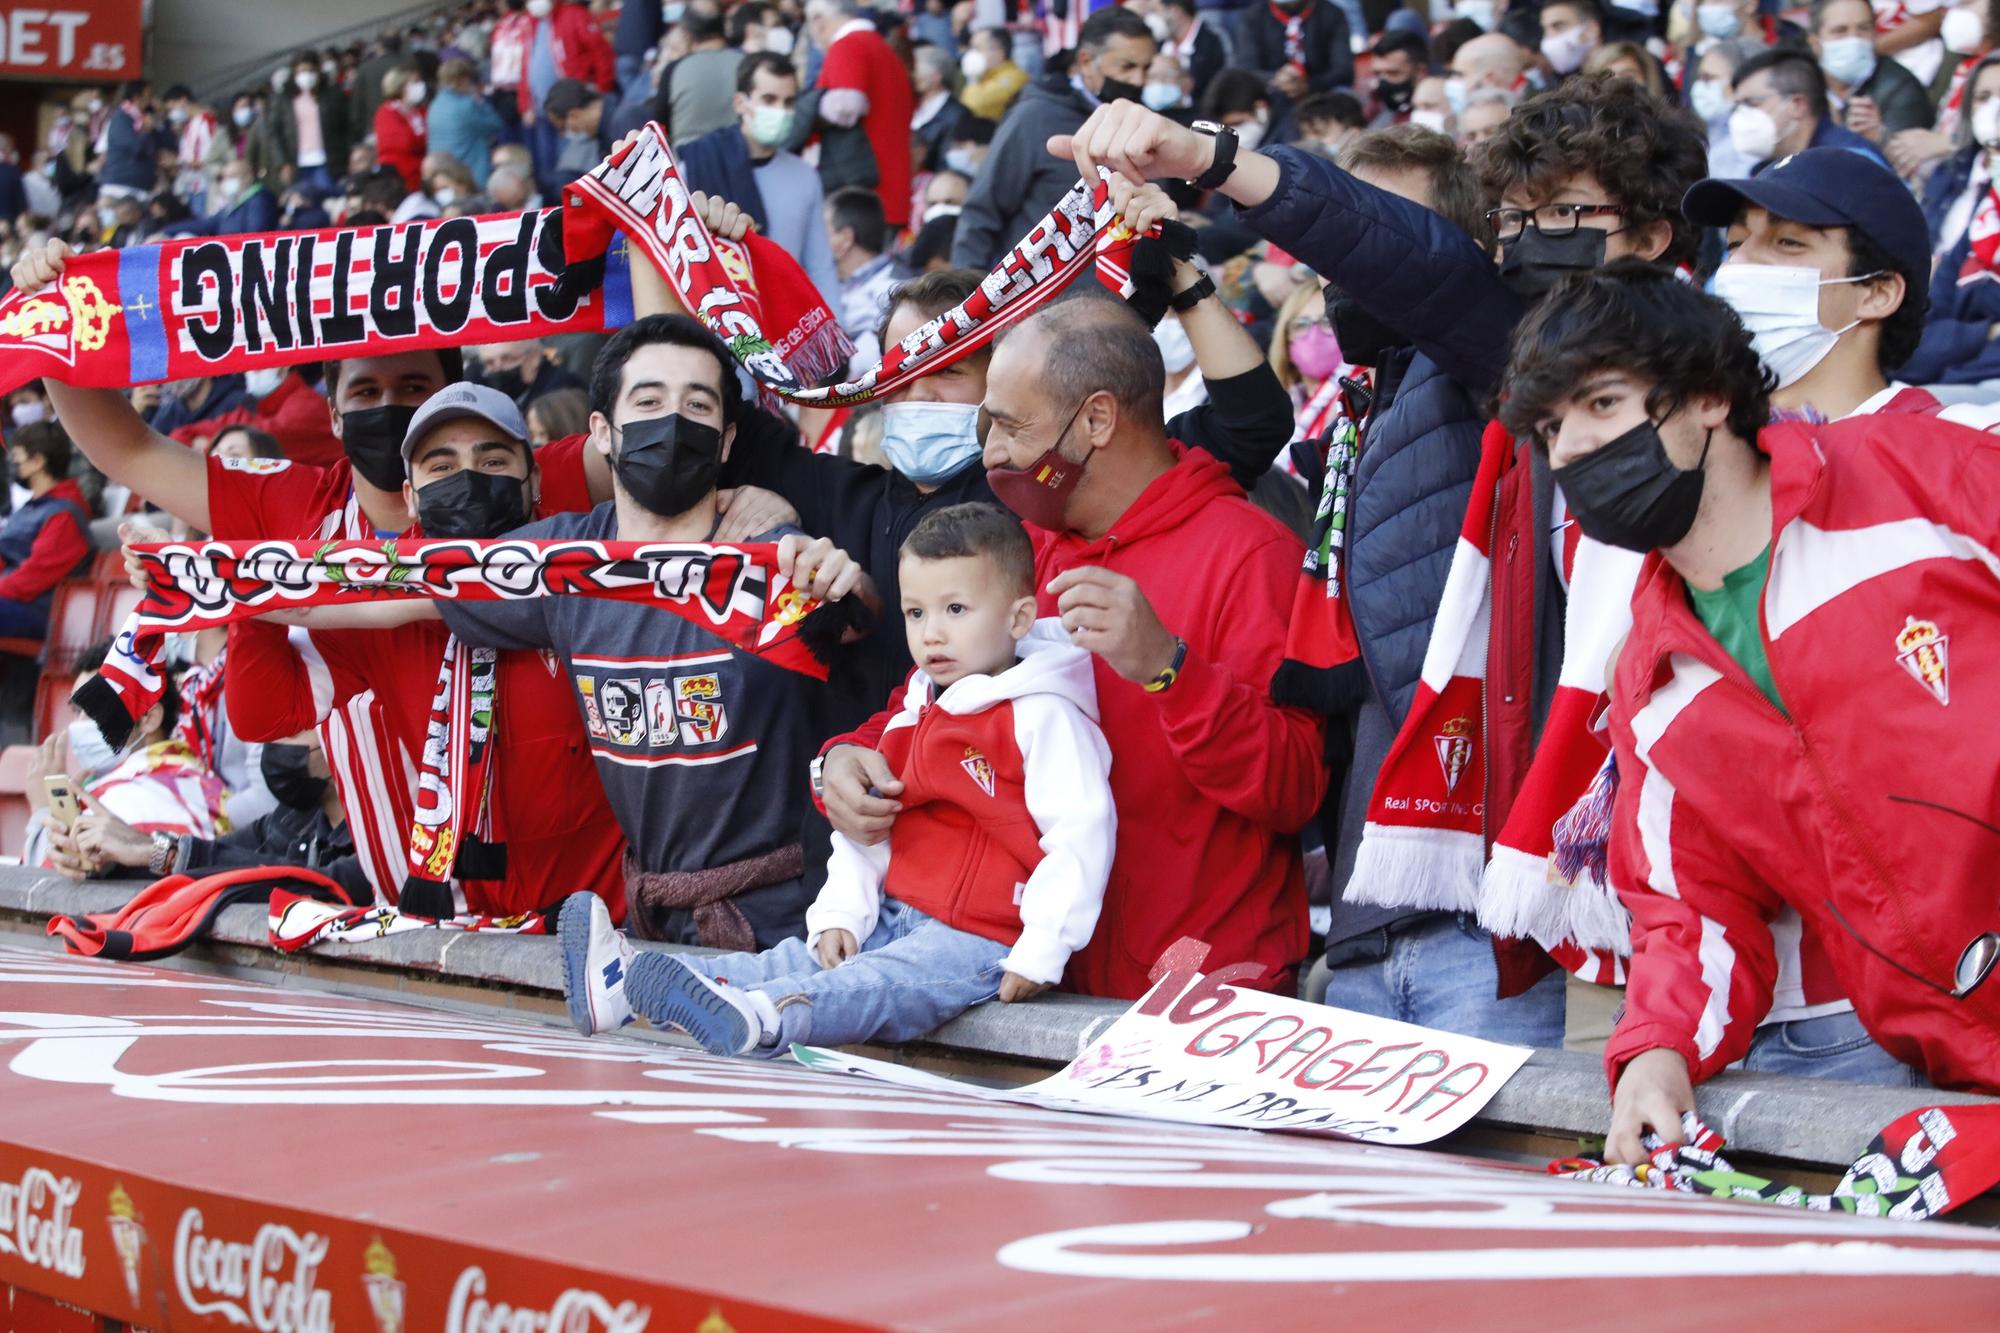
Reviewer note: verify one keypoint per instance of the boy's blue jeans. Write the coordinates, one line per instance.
(912, 974)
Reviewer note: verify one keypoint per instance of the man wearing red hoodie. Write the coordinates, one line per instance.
(43, 541)
(1160, 568)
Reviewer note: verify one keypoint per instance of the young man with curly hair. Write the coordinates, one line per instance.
(1790, 710)
(1591, 171)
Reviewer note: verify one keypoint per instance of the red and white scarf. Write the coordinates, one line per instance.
(1426, 844)
(1294, 22)
(1982, 233)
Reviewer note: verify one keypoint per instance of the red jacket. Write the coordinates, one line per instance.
(1008, 827)
(42, 544)
(580, 51)
(400, 138)
(294, 413)
(862, 60)
(1882, 627)
(1211, 779)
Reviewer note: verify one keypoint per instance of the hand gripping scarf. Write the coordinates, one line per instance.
(1426, 843)
(733, 591)
(1926, 1163)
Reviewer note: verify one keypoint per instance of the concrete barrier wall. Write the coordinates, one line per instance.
(1558, 1095)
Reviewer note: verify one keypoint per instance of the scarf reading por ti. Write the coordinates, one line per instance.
(1426, 842)
(1926, 1163)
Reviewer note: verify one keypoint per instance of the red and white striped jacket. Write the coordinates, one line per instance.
(1860, 810)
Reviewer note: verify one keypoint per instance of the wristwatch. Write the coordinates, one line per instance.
(1173, 671)
(1183, 302)
(816, 774)
(164, 847)
(1224, 164)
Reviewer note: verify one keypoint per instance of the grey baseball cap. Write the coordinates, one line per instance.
(465, 400)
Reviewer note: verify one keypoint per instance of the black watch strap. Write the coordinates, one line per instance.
(1203, 288)
(1225, 155)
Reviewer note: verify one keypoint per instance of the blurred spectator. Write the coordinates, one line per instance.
(1781, 108)
(204, 398)
(118, 219)
(1710, 98)
(938, 111)
(308, 124)
(1571, 30)
(523, 371)
(532, 49)
(1327, 121)
(245, 442)
(1019, 182)
(1298, 46)
(1167, 84)
(1485, 112)
(1430, 106)
(366, 90)
(1237, 99)
(1629, 60)
(744, 164)
(992, 79)
(194, 130)
(695, 91)
(1398, 62)
(402, 125)
(304, 209)
(859, 236)
(1192, 41)
(512, 190)
(1958, 346)
(862, 84)
(1878, 97)
(242, 204)
(557, 415)
(131, 161)
(45, 540)
(1492, 61)
(13, 187)
(462, 122)
(971, 141)
(576, 111)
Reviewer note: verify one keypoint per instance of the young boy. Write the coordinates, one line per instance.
(1000, 854)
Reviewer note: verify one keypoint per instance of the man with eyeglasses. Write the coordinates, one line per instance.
(1591, 171)
(1782, 108)
(1800, 713)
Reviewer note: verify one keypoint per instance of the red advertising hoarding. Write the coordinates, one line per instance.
(97, 41)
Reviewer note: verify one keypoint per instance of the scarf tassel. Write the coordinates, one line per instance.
(1424, 869)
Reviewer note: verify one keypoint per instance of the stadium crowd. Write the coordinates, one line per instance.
(1534, 575)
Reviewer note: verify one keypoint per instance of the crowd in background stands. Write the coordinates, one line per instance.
(882, 145)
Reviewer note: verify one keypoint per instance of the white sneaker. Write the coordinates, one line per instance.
(718, 1016)
(596, 957)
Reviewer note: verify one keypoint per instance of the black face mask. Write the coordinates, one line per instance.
(1629, 493)
(1535, 263)
(1117, 90)
(470, 503)
(1364, 339)
(668, 463)
(510, 382)
(288, 775)
(1395, 96)
(373, 440)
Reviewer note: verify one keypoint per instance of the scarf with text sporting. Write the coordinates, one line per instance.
(639, 192)
(1928, 1162)
(1426, 841)
(735, 592)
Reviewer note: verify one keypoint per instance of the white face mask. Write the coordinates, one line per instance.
(778, 41)
(1964, 31)
(281, 79)
(263, 383)
(541, 9)
(413, 91)
(1479, 11)
(1710, 99)
(973, 65)
(107, 218)
(1157, 23)
(1175, 349)
(1753, 133)
(1720, 21)
(1458, 93)
(1434, 121)
(1779, 306)
(307, 79)
(1986, 123)
(1250, 134)
(1850, 60)
(1565, 50)
(177, 115)
(228, 188)
(27, 412)
(244, 116)
(770, 125)
(445, 196)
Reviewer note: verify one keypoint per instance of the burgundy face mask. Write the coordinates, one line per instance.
(1038, 493)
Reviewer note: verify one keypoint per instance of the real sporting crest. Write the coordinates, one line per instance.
(1924, 651)
(1454, 750)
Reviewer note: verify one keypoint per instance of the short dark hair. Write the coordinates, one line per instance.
(1589, 10)
(1793, 73)
(978, 531)
(1188, 7)
(746, 73)
(1233, 90)
(702, 23)
(1454, 190)
(1640, 319)
(1094, 343)
(1116, 21)
(1402, 40)
(262, 443)
(305, 58)
(860, 211)
(1903, 329)
(450, 360)
(607, 373)
(736, 27)
(1340, 108)
(973, 129)
(1643, 150)
(178, 93)
(1819, 8)
(46, 440)
(931, 295)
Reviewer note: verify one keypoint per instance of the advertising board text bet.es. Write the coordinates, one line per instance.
(99, 42)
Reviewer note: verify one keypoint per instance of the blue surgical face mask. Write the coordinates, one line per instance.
(89, 748)
(958, 159)
(928, 442)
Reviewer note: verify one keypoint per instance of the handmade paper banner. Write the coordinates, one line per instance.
(1199, 1051)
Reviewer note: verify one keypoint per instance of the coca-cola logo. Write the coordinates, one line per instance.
(269, 1284)
(575, 1311)
(35, 1221)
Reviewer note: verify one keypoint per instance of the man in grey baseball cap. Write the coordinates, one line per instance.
(471, 472)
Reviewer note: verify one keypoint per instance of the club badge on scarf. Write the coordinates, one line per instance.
(639, 192)
(1926, 1163)
(735, 592)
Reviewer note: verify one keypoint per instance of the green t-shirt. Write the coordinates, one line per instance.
(1730, 613)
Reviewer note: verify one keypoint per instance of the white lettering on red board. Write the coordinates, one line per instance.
(28, 32)
(269, 1283)
(35, 1221)
(575, 1311)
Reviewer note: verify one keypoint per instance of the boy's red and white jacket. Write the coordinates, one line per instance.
(1859, 805)
(1007, 828)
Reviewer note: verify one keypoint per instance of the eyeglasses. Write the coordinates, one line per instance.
(1975, 962)
(1550, 219)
